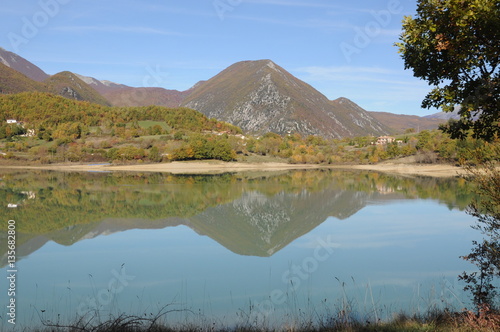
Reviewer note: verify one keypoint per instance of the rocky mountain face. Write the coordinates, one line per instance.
(22, 65)
(259, 96)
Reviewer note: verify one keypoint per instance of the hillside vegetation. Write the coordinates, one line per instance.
(12, 81)
(53, 129)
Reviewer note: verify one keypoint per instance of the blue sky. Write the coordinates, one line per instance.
(342, 48)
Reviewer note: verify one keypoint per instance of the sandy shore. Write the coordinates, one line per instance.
(435, 170)
(214, 167)
(189, 167)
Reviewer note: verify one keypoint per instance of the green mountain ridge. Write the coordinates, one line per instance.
(65, 84)
(68, 85)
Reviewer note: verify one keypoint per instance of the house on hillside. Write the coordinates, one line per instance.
(382, 140)
(29, 133)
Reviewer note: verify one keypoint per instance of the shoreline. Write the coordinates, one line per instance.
(432, 170)
(216, 167)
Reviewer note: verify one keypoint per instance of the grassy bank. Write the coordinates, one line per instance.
(435, 320)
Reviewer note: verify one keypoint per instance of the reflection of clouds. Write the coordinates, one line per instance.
(405, 225)
(313, 242)
(382, 279)
(401, 281)
(381, 226)
(377, 244)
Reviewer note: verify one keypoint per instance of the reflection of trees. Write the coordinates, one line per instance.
(485, 254)
(68, 199)
(64, 206)
(51, 200)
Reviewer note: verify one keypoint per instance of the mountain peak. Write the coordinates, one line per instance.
(255, 63)
(260, 96)
(343, 100)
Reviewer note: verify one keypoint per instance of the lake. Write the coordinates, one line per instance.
(250, 248)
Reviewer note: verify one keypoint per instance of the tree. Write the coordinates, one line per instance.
(486, 253)
(3, 132)
(455, 46)
(424, 139)
(154, 155)
(222, 150)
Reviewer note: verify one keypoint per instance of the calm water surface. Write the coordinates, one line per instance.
(233, 248)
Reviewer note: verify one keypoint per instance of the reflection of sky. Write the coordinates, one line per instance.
(385, 255)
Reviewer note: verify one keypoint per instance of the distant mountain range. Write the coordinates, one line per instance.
(258, 96)
(19, 75)
(400, 122)
(126, 96)
(444, 116)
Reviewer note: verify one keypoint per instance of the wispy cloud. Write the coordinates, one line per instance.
(350, 73)
(84, 61)
(118, 29)
(375, 88)
(292, 3)
(335, 9)
(306, 23)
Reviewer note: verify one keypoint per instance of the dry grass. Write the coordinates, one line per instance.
(439, 320)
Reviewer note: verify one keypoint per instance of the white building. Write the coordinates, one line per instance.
(385, 140)
(29, 133)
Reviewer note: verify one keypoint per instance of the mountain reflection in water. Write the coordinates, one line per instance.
(254, 214)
